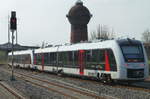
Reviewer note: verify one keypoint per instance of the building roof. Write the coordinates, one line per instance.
(147, 44)
(8, 47)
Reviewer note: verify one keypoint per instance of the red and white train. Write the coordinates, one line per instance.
(123, 59)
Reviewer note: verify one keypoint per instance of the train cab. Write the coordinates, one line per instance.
(134, 64)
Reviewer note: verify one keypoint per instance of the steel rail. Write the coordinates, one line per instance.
(132, 87)
(63, 86)
(50, 89)
(58, 85)
(18, 96)
(117, 85)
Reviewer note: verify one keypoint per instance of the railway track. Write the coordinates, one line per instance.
(91, 82)
(8, 92)
(65, 90)
(141, 86)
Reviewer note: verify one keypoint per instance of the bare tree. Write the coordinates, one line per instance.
(102, 32)
(146, 36)
(43, 45)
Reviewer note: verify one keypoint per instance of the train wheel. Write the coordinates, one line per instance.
(60, 72)
(103, 78)
(106, 78)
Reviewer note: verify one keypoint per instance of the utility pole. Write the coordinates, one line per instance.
(16, 37)
(13, 28)
(12, 77)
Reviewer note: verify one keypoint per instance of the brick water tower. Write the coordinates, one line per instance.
(79, 16)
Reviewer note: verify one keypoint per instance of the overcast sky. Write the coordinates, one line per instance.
(45, 20)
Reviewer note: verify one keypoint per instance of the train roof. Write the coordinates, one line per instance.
(21, 52)
(81, 46)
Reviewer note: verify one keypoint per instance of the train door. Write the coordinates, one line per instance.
(81, 61)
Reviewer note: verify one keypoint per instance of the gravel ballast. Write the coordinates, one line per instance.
(27, 89)
(108, 91)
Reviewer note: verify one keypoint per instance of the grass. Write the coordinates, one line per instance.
(149, 62)
(3, 62)
(3, 57)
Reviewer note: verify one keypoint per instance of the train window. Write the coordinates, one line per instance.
(100, 59)
(46, 59)
(22, 59)
(112, 60)
(38, 58)
(88, 55)
(14, 58)
(132, 53)
(60, 58)
(26, 59)
(53, 58)
(18, 59)
(88, 58)
(76, 59)
(66, 58)
(131, 49)
(95, 59)
(70, 58)
(63, 57)
(9, 58)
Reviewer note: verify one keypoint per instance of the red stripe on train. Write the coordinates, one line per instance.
(81, 62)
(107, 65)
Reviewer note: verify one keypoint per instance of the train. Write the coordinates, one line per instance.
(107, 60)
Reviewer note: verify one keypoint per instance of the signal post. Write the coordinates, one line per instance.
(13, 28)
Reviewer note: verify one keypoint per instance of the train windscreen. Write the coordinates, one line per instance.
(133, 53)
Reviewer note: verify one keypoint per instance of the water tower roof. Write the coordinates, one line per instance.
(79, 13)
